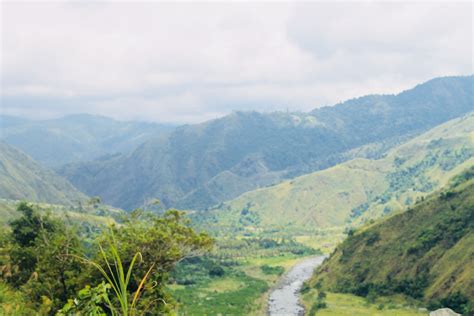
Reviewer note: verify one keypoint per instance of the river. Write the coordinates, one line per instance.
(284, 299)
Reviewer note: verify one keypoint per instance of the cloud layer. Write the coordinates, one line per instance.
(193, 62)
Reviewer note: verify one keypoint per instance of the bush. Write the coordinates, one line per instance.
(216, 271)
(272, 270)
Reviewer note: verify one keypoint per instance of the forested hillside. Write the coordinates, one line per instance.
(198, 166)
(357, 190)
(75, 137)
(21, 178)
(426, 252)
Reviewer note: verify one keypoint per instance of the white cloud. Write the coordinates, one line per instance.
(191, 62)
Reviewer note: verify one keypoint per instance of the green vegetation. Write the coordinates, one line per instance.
(89, 217)
(356, 191)
(234, 278)
(278, 270)
(21, 178)
(45, 270)
(199, 166)
(232, 294)
(425, 253)
(63, 260)
(338, 304)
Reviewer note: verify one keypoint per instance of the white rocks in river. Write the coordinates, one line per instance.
(444, 312)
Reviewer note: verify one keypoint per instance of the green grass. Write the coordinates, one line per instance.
(233, 294)
(242, 289)
(23, 178)
(355, 191)
(425, 252)
(351, 305)
(86, 216)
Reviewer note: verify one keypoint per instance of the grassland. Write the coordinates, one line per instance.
(350, 305)
(354, 192)
(425, 252)
(23, 178)
(241, 289)
(88, 215)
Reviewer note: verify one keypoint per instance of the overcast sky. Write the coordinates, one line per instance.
(193, 62)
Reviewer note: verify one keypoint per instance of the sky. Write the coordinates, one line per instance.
(191, 62)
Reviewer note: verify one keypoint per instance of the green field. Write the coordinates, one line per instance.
(227, 284)
(351, 305)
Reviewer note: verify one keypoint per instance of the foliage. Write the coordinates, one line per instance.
(277, 270)
(40, 261)
(319, 304)
(118, 278)
(161, 241)
(424, 253)
(43, 260)
(89, 301)
(338, 304)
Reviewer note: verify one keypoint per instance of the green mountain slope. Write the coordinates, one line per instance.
(76, 137)
(198, 166)
(21, 178)
(426, 252)
(357, 190)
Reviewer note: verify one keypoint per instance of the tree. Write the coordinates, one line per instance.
(161, 242)
(40, 256)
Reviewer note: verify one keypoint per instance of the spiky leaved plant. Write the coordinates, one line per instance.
(114, 273)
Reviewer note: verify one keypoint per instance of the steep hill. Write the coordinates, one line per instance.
(21, 178)
(75, 137)
(357, 190)
(426, 252)
(198, 166)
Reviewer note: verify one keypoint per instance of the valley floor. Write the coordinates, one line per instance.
(350, 305)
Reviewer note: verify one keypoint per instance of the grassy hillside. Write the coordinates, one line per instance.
(76, 137)
(21, 178)
(426, 253)
(358, 190)
(92, 216)
(198, 166)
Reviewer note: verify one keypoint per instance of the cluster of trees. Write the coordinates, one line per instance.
(124, 271)
(259, 246)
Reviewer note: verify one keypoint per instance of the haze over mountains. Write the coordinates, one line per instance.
(256, 181)
(76, 137)
(359, 189)
(198, 166)
(22, 178)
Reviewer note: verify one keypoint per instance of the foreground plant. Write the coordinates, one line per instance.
(117, 278)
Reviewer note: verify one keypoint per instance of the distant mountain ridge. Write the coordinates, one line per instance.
(76, 137)
(21, 178)
(198, 166)
(357, 190)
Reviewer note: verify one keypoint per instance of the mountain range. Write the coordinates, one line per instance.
(22, 178)
(358, 190)
(75, 138)
(199, 166)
